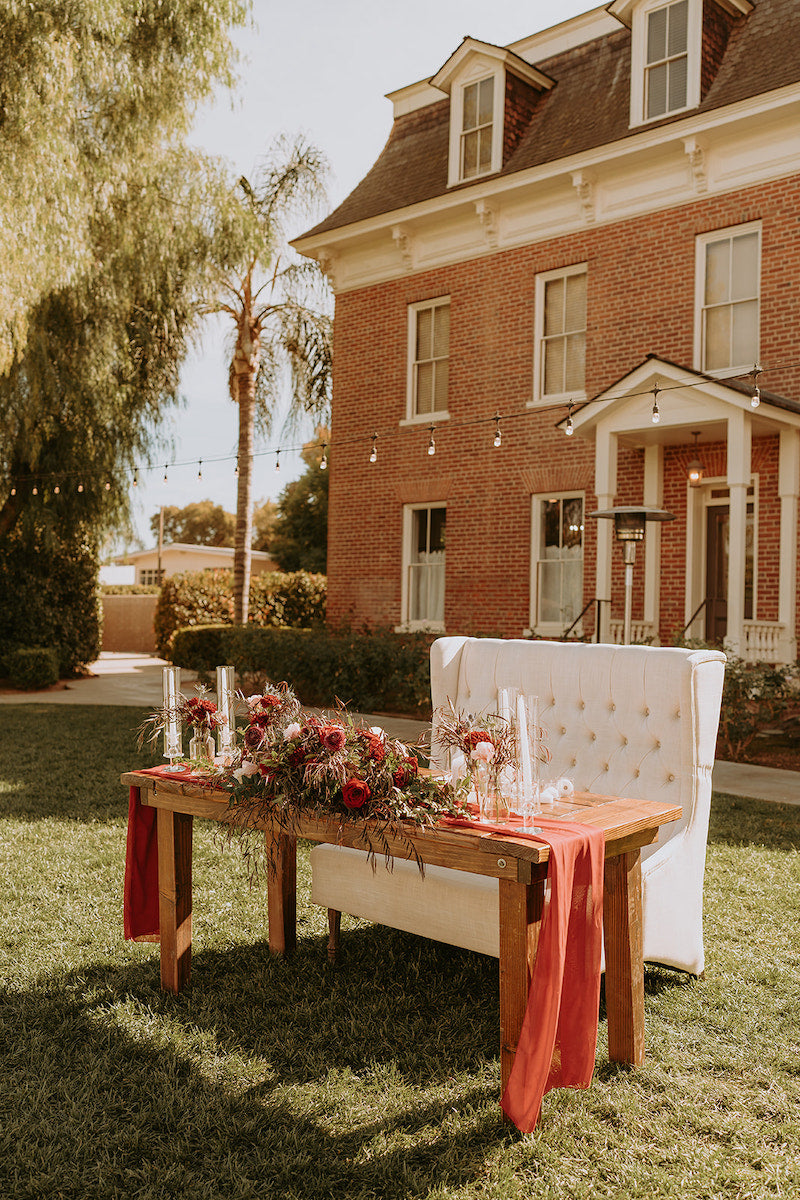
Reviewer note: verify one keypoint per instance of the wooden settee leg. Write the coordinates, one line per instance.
(334, 930)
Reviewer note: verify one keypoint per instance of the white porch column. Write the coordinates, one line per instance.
(605, 476)
(739, 445)
(653, 498)
(788, 490)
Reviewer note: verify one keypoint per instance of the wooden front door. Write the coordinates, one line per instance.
(717, 541)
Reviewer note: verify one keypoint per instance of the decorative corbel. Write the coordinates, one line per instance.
(487, 215)
(328, 261)
(404, 242)
(584, 184)
(696, 154)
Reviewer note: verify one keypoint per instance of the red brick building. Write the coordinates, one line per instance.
(572, 274)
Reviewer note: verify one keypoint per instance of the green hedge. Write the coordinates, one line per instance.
(199, 598)
(369, 672)
(129, 589)
(32, 666)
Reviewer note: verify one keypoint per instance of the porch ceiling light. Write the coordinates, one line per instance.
(695, 468)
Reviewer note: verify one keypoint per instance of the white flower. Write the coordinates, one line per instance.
(223, 760)
(253, 701)
(482, 752)
(248, 767)
(381, 733)
(291, 731)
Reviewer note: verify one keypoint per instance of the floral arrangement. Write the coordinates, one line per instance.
(489, 745)
(200, 713)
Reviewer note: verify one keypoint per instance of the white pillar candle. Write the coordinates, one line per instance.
(171, 686)
(225, 699)
(524, 749)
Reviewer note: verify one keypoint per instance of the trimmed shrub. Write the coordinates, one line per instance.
(129, 589)
(199, 598)
(32, 667)
(754, 696)
(369, 672)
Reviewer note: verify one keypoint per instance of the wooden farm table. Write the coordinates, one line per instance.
(519, 864)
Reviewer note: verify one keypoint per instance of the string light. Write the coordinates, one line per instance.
(323, 462)
(108, 486)
(755, 399)
(13, 491)
(373, 456)
(200, 470)
(236, 468)
(56, 490)
(34, 490)
(166, 480)
(80, 487)
(136, 477)
(277, 460)
(569, 428)
(432, 443)
(656, 412)
(498, 437)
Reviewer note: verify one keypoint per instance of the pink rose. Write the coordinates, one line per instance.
(482, 752)
(332, 737)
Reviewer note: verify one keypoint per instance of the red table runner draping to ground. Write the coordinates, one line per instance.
(558, 1040)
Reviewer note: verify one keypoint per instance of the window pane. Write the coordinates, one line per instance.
(678, 28)
(424, 387)
(549, 591)
(718, 338)
(551, 518)
(485, 153)
(438, 518)
(554, 367)
(657, 90)
(441, 331)
(677, 84)
(657, 35)
(421, 521)
(575, 306)
(717, 272)
(469, 155)
(486, 101)
(426, 571)
(744, 266)
(470, 107)
(553, 306)
(424, 323)
(575, 373)
(744, 348)
(441, 380)
(572, 522)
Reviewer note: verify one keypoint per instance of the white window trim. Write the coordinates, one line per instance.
(639, 56)
(405, 625)
(412, 418)
(703, 240)
(548, 628)
(481, 68)
(538, 337)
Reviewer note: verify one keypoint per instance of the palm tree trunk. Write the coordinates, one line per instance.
(245, 366)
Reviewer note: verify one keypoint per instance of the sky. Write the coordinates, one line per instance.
(320, 68)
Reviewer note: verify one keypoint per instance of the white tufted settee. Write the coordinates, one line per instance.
(635, 721)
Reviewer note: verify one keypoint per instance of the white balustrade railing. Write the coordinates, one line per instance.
(642, 632)
(761, 641)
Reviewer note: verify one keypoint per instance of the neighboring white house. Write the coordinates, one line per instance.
(177, 557)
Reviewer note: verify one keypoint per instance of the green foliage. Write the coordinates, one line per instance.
(32, 667)
(199, 598)
(49, 596)
(200, 524)
(129, 589)
(300, 533)
(754, 696)
(263, 523)
(369, 672)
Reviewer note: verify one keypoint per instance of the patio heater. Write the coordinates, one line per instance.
(629, 526)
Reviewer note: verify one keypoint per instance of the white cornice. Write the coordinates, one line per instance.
(623, 9)
(470, 47)
(585, 187)
(566, 35)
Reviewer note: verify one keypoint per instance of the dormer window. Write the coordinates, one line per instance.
(667, 55)
(477, 128)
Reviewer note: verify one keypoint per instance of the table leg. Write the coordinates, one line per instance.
(622, 927)
(521, 908)
(175, 897)
(282, 894)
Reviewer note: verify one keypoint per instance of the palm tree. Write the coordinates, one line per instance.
(275, 303)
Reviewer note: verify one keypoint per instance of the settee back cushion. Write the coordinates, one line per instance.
(636, 721)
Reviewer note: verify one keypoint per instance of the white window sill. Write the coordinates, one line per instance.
(563, 399)
(420, 627)
(426, 419)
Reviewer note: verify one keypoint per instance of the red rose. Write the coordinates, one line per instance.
(332, 737)
(254, 737)
(297, 757)
(355, 793)
(405, 773)
(373, 745)
(478, 735)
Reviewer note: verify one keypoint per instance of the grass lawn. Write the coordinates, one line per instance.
(379, 1079)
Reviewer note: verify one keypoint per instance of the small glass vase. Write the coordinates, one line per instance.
(201, 747)
(487, 793)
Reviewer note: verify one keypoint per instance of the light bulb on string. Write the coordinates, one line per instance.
(277, 460)
(56, 490)
(498, 437)
(80, 487)
(432, 443)
(166, 480)
(136, 477)
(236, 469)
(108, 485)
(323, 462)
(755, 399)
(34, 490)
(13, 491)
(200, 471)
(373, 456)
(569, 428)
(656, 417)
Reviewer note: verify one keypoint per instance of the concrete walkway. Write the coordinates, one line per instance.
(135, 680)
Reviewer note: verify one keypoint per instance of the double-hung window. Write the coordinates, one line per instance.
(560, 342)
(429, 358)
(557, 557)
(728, 285)
(477, 120)
(667, 59)
(424, 565)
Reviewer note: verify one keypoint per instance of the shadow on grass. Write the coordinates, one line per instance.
(738, 822)
(265, 1077)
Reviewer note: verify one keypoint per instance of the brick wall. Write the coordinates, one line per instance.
(640, 301)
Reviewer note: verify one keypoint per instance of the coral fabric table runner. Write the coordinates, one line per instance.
(549, 940)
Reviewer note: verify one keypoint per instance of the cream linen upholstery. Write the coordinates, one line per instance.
(622, 720)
